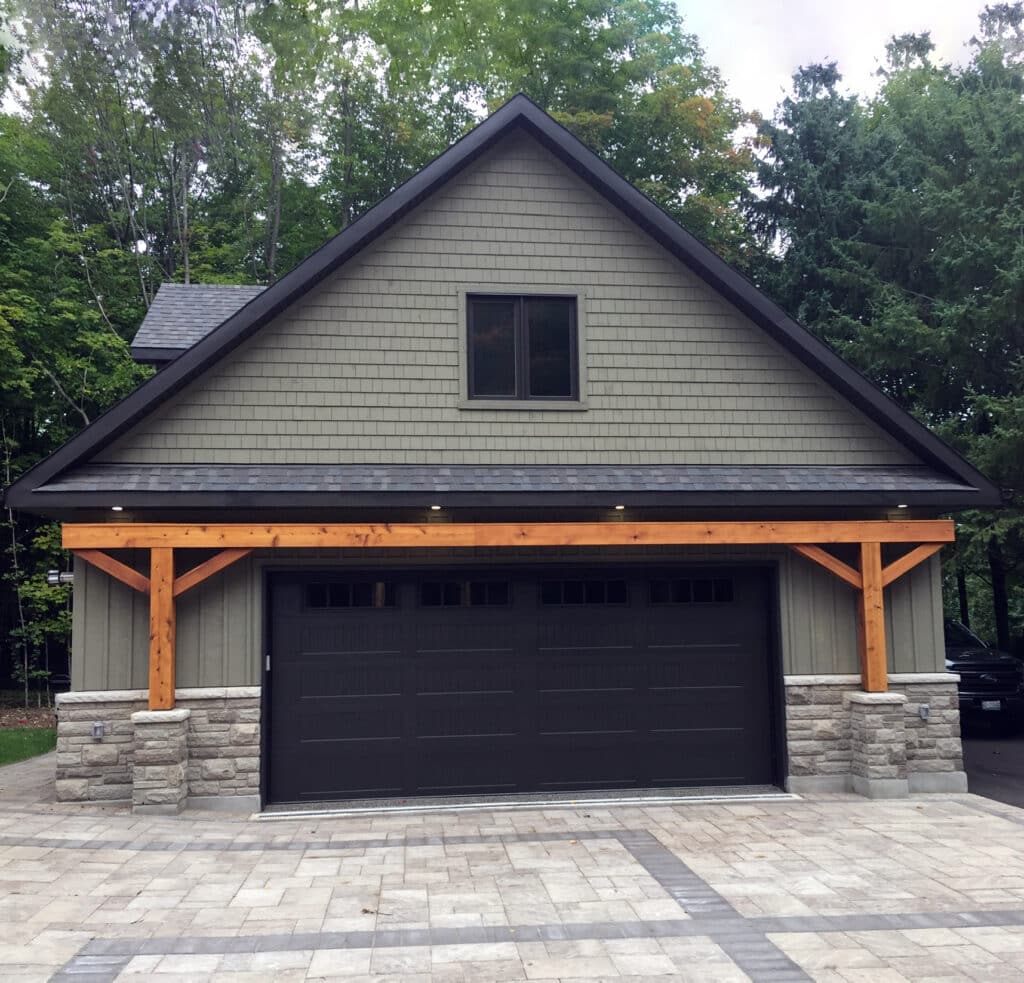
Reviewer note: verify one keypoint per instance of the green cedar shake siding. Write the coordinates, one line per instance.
(220, 622)
(367, 367)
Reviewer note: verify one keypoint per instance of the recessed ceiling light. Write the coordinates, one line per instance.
(435, 508)
(116, 508)
(901, 506)
(619, 508)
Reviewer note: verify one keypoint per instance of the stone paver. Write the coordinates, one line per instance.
(834, 888)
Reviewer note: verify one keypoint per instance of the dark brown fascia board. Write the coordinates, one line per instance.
(942, 501)
(517, 112)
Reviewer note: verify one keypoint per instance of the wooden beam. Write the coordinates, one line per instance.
(499, 534)
(116, 569)
(906, 563)
(823, 558)
(207, 568)
(871, 621)
(161, 629)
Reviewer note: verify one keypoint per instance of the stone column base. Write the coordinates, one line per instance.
(906, 740)
(878, 744)
(159, 785)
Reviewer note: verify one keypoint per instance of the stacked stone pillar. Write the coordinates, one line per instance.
(159, 784)
(878, 744)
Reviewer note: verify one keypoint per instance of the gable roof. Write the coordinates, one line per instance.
(519, 113)
(182, 314)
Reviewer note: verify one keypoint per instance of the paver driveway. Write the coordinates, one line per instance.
(828, 888)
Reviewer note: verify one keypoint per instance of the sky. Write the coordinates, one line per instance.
(757, 44)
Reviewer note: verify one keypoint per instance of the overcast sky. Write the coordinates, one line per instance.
(757, 44)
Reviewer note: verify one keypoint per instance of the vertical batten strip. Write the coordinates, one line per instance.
(871, 621)
(161, 629)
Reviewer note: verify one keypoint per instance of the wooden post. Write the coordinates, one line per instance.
(161, 629)
(871, 621)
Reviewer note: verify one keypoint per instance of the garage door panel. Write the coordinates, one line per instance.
(443, 769)
(344, 674)
(476, 671)
(348, 719)
(487, 715)
(495, 687)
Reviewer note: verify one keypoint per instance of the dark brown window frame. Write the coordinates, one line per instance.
(522, 348)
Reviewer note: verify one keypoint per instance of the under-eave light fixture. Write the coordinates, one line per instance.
(619, 508)
(902, 506)
(116, 508)
(435, 508)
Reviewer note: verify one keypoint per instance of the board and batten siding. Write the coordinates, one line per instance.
(367, 368)
(220, 622)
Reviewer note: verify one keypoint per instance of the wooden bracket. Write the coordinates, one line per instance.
(907, 562)
(116, 569)
(825, 559)
(207, 568)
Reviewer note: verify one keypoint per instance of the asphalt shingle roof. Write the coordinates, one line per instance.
(182, 314)
(357, 478)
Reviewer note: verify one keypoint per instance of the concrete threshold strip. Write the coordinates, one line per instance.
(496, 803)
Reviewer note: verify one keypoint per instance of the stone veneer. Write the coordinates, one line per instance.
(826, 755)
(221, 762)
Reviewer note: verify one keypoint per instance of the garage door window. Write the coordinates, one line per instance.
(351, 594)
(583, 592)
(464, 593)
(686, 590)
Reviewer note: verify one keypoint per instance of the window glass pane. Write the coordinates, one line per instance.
(703, 591)
(572, 592)
(723, 590)
(362, 595)
(551, 592)
(316, 595)
(493, 347)
(617, 593)
(681, 592)
(550, 323)
(660, 592)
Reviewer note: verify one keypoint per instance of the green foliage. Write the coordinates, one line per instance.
(19, 743)
(895, 230)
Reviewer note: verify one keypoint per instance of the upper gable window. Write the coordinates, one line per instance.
(522, 347)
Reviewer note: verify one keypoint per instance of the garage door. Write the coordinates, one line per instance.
(466, 682)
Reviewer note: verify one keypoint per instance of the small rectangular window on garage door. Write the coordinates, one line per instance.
(589, 591)
(464, 593)
(351, 594)
(691, 590)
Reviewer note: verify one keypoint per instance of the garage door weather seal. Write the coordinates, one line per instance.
(703, 796)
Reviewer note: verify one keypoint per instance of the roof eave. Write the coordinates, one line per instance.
(943, 501)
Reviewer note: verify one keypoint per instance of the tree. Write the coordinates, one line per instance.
(900, 223)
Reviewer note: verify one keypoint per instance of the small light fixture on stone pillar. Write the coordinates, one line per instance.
(98, 730)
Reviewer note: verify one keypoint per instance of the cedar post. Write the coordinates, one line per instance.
(871, 621)
(161, 629)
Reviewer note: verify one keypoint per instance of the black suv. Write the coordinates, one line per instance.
(991, 682)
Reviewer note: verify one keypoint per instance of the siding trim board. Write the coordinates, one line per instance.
(519, 114)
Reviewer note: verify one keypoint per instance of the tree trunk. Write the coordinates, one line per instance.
(274, 211)
(961, 589)
(1000, 599)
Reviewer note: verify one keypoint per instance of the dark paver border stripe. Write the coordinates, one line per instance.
(736, 936)
(104, 959)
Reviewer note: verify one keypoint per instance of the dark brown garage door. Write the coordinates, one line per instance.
(444, 683)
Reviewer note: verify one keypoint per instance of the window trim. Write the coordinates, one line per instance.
(576, 403)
